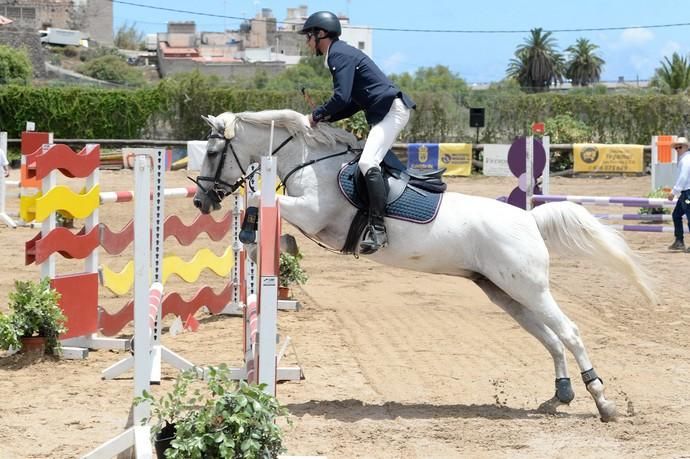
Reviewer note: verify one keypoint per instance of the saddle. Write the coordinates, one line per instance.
(398, 177)
(412, 195)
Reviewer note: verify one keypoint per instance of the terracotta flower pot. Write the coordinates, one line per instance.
(164, 438)
(283, 293)
(33, 345)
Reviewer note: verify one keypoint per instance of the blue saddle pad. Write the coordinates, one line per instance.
(411, 206)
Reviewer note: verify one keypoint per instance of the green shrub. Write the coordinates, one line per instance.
(290, 270)
(222, 418)
(114, 69)
(70, 51)
(15, 66)
(658, 193)
(34, 311)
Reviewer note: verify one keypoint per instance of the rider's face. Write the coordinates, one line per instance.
(311, 41)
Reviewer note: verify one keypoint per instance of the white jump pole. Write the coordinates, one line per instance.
(142, 208)
(3, 186)
(268, 295)
(261, 309)
(145, 318)
(529, 168)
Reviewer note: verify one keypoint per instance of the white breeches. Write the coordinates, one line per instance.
(382, 135)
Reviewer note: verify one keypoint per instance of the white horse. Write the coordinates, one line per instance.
(499, 247)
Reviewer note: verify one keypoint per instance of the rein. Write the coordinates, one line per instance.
(220, 188)
(218, 192)
(314, 161)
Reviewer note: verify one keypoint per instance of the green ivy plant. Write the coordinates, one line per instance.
(34, 311)
(223, 418)
(291, 271)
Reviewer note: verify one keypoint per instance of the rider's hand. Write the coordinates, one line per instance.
(312, 123)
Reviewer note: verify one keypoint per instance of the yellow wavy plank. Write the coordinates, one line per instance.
(62, 198)
(118, 282)
(122, 282)
(203, 259)
(27, 207)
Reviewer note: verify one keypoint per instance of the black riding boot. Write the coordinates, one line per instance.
(375, 234)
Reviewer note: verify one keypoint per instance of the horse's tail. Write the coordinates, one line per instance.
(569, 228)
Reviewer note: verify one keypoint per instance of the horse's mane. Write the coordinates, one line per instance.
(295, 123)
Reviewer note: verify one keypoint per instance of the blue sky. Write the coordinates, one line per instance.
(477, 57)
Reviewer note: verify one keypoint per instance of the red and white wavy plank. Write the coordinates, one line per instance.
(61, 157)
(61, 240)
(173, 303)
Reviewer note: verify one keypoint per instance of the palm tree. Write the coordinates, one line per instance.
(583, 66)
(537, 65)
(673, 76)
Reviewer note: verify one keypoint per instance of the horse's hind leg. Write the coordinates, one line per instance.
(546, 309)
(533, 325)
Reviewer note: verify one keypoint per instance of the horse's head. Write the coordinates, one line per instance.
(222, 171)
(238, 140)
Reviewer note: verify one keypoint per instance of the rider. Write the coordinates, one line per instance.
(358, 84)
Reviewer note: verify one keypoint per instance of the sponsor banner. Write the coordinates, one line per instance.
(495, 161)
(608, 158)
(422, 156)
(456, 158)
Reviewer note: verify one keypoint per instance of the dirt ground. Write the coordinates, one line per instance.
(400, 364)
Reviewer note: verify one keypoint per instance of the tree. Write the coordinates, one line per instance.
(583, 67)
(309, 73)
(15, 66)
(673, 76)
(537, 64)
(128, 37)
(432, 79)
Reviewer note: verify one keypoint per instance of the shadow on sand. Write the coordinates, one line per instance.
(355, 410)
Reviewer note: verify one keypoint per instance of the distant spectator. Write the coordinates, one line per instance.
(682, 190)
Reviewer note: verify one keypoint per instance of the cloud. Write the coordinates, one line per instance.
(393, 63)
(669, 48)
(642, 65)
(635, 37)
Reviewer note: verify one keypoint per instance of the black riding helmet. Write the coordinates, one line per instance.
(324, 20)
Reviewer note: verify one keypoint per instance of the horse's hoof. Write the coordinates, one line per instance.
(607, 411)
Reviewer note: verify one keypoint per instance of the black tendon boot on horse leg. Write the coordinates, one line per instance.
(375, 235)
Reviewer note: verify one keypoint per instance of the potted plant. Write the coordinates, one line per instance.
(219, 417)
(290, 272)
(35, 320)
(658, 193)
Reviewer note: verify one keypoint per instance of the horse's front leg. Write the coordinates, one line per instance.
(303, 212)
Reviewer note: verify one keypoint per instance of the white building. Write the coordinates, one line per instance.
(360, 37)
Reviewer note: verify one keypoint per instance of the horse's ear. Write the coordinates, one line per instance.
(210, 120)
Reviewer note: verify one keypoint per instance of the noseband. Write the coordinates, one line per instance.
(219, 188)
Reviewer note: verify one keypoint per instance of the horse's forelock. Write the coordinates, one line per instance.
(228, 119)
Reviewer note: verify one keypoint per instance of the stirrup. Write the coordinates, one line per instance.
(374, 239)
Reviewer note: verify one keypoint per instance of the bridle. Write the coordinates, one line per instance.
(219, 188)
